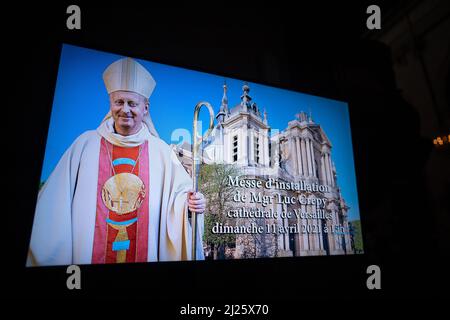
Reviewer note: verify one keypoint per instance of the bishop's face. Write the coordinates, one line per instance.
(128, 109)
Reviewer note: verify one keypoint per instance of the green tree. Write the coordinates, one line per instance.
(214, 184)
(357, 235)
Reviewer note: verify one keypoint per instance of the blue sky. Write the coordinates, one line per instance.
(81, 102)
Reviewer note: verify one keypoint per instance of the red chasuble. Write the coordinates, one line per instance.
(121, 232)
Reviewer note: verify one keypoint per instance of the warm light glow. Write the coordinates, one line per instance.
(440, 141)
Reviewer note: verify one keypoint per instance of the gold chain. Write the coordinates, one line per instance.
(112, 166)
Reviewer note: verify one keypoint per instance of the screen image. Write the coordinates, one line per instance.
(121, 181)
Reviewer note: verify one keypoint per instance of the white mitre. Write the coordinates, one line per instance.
(127, 74)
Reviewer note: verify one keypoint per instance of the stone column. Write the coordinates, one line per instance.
(315, 234)
(276, 152)
(286, 234)
(304, 235)
(244, 151)
(297, 154)
(322, 169)
(228, 147)
(266, 147)
(281, 242)
(309, 234)
(252, 147)
(299, 235)
(336, 235)
(303, 152)
(221, 149)
(311, 143)
(225, 146)
(312, 244)
(308, 157)
(261, 148)
(327, 168)
(281, 245)
(338, 238)
(319, 222)
(331, 242)
(280, 222)
(293, 155)
(331, 170)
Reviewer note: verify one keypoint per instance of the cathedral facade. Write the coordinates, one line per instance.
(299, 153)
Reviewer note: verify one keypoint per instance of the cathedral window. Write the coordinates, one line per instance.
(256, 149)
(235, 148)
(270, 153)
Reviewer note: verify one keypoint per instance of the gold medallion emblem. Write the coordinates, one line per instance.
(123, 193)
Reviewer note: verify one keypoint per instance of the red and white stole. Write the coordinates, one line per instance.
(107, 246)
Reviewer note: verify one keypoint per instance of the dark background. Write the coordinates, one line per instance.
(323, 49)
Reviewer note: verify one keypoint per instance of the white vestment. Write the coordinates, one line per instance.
(64, 221)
